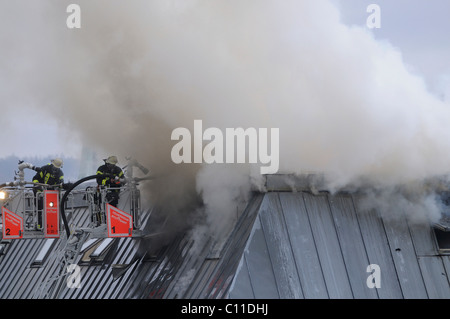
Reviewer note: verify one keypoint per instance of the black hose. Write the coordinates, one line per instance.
(64, 198)
(66, 194)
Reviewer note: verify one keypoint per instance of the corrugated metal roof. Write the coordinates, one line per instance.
(319, 246)
(185, 267)
(284, 245)
(189, 267)
(20, 277)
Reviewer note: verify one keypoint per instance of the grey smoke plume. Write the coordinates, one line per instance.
(346, 105)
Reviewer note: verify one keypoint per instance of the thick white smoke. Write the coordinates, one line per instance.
(345, 104)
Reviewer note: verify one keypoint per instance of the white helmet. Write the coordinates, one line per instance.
(112, 160)
(57, 162)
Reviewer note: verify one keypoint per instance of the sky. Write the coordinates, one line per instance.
(418, 28)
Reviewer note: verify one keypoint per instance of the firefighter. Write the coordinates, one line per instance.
(50, 174)
(111, 180)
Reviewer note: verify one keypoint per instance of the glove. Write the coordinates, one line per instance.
(115, 180)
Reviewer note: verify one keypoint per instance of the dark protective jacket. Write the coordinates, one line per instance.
(49, 174)
(109, 180)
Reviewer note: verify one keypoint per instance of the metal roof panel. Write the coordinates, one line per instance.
(283, 245)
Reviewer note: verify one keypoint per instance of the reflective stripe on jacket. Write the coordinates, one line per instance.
(49, 175)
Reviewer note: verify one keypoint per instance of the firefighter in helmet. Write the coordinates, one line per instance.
(109, 176)
(51, 175)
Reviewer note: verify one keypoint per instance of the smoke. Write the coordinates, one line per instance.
(345, 104)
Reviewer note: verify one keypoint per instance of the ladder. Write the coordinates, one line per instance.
(67, 257)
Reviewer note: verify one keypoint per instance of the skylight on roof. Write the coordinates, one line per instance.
(97, 252)
(88, 244)
(44, 252)
(2, 249)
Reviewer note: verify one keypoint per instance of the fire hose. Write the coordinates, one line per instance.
(66, 194)
(71, 187)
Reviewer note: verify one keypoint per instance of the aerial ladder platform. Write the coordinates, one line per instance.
(27, 214)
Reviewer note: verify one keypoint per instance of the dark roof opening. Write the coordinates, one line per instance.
(443, 240)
